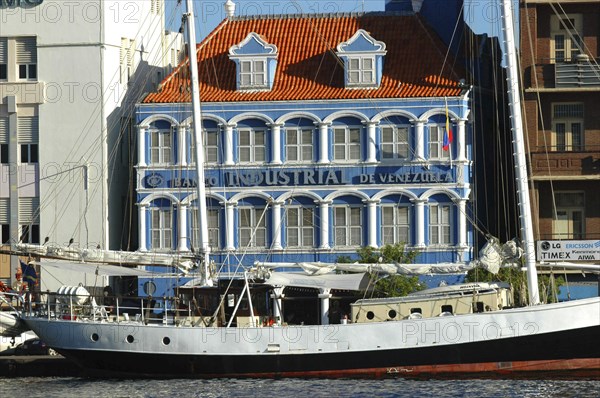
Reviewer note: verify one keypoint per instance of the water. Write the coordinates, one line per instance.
(77, 387)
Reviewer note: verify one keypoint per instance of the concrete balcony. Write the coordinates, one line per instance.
(571, 165)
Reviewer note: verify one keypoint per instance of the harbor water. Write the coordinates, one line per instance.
(79, 387)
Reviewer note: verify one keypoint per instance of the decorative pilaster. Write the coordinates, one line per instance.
(276, 143)
(462, 222)
(141, 131)
(460, 140)
(372, 222)
(182, 227)
(420, 221)
(229, 216)
(228, 145)
(182, 147)
(371, 141)
(323, 142)
(419, 139)
(142, 227)
(276, 218)
(324, 219)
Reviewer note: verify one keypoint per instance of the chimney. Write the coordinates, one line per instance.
(229, 8)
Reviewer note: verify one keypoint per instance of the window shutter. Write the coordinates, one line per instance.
(29, 210)
(3, 130)
(26, 50)
(3, 50)
(4, 211)
(28, 130)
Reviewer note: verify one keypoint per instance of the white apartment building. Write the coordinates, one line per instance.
(70, 75)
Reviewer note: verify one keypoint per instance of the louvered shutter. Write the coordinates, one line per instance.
(29, 210)
(3, 130)
(3, 51)
(4, 211)
(28, 130)
(26, 50)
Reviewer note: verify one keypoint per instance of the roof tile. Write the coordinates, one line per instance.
(308, 68)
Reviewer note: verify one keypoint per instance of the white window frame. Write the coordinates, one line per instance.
(567, 118)
(252, 227)
(346, 148)
(213, 219)
(250, 74)
(347, 225)
(160, 149)
(440, 216)
(398, 147)
(299, 227)
(162, 233)
(211, 148)
(559, 34)
(565, 224)
(26, 58)
(395, 224)
(361, 71)
(436, 142)
(299, 144)
(256, 152)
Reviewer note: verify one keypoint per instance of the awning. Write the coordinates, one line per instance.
(328, 281)
(99, 269)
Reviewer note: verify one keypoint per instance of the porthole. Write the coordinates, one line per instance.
(149, 288)
(130, 339)
(166, 341)
(370, 315)
(95, 337)
(392, 314)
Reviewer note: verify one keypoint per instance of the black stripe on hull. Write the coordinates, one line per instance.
(557, 350)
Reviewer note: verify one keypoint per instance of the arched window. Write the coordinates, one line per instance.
(252, 227)
(439, 224)
(439, 146)
(348, 226)
(394, 142)
(161, 225)
(395, 224)
(161, 145)
(299, 226)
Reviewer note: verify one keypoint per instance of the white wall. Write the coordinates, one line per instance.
(79, 48)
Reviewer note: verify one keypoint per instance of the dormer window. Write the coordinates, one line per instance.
(361, 71)
(256, 62)
(363, 60)
(253, 74)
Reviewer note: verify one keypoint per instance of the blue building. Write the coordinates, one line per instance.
(322, 134)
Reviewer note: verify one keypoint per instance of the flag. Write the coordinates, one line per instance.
(447, 133)
(29, 274)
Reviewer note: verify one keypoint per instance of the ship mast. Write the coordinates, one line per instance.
(198, 141)
(514, 98)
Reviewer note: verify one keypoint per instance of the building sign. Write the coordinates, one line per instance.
(568, 250)
(299, 177)
(19, 3)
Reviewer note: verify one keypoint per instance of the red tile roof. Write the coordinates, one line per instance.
(307, 68)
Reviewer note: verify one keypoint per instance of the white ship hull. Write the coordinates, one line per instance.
(552, 337)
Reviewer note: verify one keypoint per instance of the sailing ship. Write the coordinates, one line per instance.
(126, 340)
